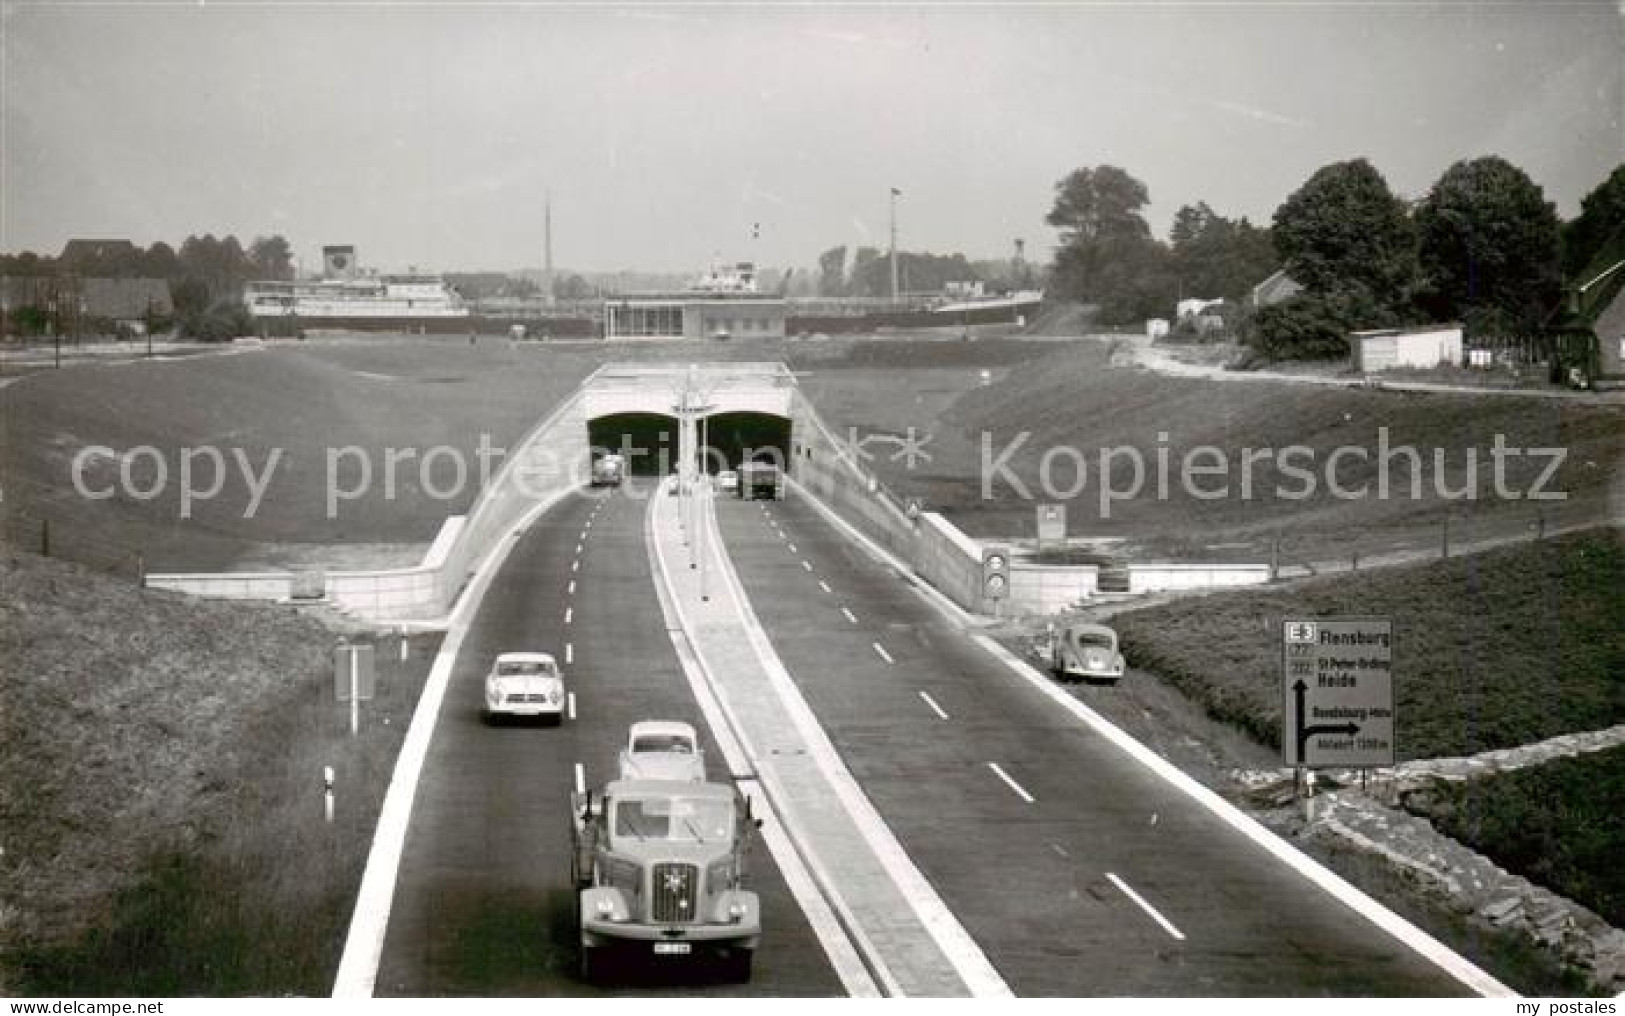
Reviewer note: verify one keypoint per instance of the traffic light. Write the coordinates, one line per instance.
(995, 573)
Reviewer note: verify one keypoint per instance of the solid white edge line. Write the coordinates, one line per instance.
(369, 921)
(803, 885)
(934, 707)
(1425, 945)
(970, 963)
(1419, 941)
(1167, 925)
(882, 651)
(1021, 791)
(849, 615)
(581, 777)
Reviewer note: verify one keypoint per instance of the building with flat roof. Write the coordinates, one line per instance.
(693, 315)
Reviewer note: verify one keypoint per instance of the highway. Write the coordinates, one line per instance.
(1076, 870)
(483, 903)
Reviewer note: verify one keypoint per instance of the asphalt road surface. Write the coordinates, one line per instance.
(1076, 870)
(484, 904)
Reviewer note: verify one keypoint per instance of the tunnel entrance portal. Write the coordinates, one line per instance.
(649, 441)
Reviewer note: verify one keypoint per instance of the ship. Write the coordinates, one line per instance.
(347, 296)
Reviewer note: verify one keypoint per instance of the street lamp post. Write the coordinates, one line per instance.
(895, 194)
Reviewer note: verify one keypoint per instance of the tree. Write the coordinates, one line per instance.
(862, 258)
(1345, 230)
(1212, 256)
(572, 287)
(271, 259)
(1487, 246)
(1601, 219)
(1107, 256)
(832, 272)
(160, 262)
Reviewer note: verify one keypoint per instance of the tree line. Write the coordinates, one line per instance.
(1483, 246)
(205, 276)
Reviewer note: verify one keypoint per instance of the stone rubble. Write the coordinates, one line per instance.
(1578, 938)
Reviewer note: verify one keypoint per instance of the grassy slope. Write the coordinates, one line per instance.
(1493, 650)
(1068, 395)
(1559, 824)
(376, 394)
(160, 796)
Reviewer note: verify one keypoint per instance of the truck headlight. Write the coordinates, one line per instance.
(736, 912)
(606, 908)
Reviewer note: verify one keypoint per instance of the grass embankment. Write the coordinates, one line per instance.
(1559, 824)
(1071, 397)
(1492, 651)
(162, 788)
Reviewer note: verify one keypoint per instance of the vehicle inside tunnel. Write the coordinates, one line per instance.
(736, 438)
(648, 441)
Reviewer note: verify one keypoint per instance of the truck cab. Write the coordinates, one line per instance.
(659, 868)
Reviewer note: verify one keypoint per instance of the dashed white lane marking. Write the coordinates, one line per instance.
(569, 614)
(583, 536)
(882, 651)
(569, 652)
(934, 707)
(1059, 849)
(1167, 925)
(570, 590)
(581, 778)
(824, 586)
(578, 549)
(1021, 791)
(849, 615)
(575, 565)
(571, 705)
(806, 565)
(792, 548)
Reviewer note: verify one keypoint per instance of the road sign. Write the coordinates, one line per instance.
(995, 572)
(1051, 523)
(353, 673)
(1338, 692)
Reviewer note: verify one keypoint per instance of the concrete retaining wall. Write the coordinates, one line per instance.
(552, 458)
(1156, 578)
(1049, 589)
(227, 585)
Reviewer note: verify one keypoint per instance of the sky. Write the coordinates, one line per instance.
(430, 134)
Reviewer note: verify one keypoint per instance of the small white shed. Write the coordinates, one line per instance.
(1386, 348)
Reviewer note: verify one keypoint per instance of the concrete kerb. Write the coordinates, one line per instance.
(1413, 937)
(369, 922)
(855, 959)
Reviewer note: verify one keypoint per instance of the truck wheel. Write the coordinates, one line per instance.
(591, 964)
(736, 965)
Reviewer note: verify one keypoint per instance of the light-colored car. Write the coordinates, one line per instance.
(728, 480)
(525, 684)
(662, 750)
(1087, 651)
